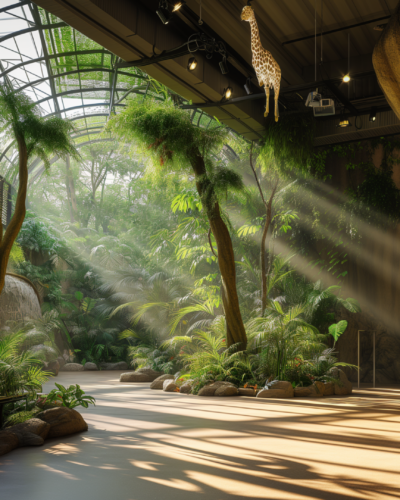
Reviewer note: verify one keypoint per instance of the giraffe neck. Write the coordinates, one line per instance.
(255, 34)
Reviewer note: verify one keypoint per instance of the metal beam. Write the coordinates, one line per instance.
(53, 56)
(351, 26)
(342, 98)
(36, 17)
(14, 6)
(78, 91)
(35, 28)
(164, 56)
(285, 90)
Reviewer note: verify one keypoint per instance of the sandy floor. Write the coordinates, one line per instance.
(150, 445)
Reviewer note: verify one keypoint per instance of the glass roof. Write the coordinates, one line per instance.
(66, 74)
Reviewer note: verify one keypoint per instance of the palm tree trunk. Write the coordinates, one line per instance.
(8, 238)
(236, 333)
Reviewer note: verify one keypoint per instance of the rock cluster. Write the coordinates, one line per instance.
(55, 422)
(170, 386)
(92, 367)
(121, 365)
(72, 367)
(141, 375)
(186, 387)
(158, 383)
(219, 389)
(277, 389)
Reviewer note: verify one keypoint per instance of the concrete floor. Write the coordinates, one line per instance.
(150, 445)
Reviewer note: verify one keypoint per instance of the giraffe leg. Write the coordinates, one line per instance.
(276, 103)
(267, 106)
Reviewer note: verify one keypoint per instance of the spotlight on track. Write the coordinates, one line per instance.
(163, 12)
(227, 93)
(372, 115)
(192, 64)
(178, 5)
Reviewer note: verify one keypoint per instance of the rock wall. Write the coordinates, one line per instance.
(18, 300)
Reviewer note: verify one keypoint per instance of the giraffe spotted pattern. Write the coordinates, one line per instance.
(267, 69)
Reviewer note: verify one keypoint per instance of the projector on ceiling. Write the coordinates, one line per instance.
(326, 107)
(313, 99)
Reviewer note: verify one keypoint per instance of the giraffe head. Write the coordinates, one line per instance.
(247, 14)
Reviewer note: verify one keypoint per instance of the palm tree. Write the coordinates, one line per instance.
(35, 136)
(171, 136)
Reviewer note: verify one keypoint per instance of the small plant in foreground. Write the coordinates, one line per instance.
(70, 397)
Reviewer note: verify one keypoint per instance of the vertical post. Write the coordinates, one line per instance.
(358, 357)
(374, 365)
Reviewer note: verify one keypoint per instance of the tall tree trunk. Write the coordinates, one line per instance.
(236, 333)
(8, 238)
(71, 190)
(268, 219)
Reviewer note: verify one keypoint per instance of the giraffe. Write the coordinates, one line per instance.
(267, 69)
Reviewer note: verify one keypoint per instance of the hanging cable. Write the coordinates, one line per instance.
(315, 55)
(322, 23)
(200, 19)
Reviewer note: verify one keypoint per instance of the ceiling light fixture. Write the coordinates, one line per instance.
(178, 5)
(372, 115)
(228, 93)
(344, 122)
(192, 64)
(346, 78)
(163, 12)
(248, 87)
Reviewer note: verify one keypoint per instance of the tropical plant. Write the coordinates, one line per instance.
(20, 370)
(170, 136)
(70, 397)
(35, 136)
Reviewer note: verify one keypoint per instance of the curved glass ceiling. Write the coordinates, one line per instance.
(66, 74)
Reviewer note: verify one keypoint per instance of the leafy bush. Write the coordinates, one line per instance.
(70, 397)
(20, 370)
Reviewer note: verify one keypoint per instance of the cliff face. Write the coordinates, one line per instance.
(18, 300)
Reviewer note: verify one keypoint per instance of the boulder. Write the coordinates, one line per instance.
(33, 432)
(158, 383)
(210, 389)
(302, 392)
(52, 367)
(316, 390)
(186, 387)
(92, 367)
(8, 442)
(141, 375)
(329, 389)
(226, 390)
(272, 393)
(72, 367)
(63, 421)
(244, 391)
(61, 361)
(169, 386)
(345, 386)
(277, 389)
(121, 365)
(29, 428)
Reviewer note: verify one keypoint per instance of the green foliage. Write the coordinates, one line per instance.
(70, 397)
(336, 330)
(166, 132)
(20, 369)
(20, 417)
(43, 136)
(290, 142)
